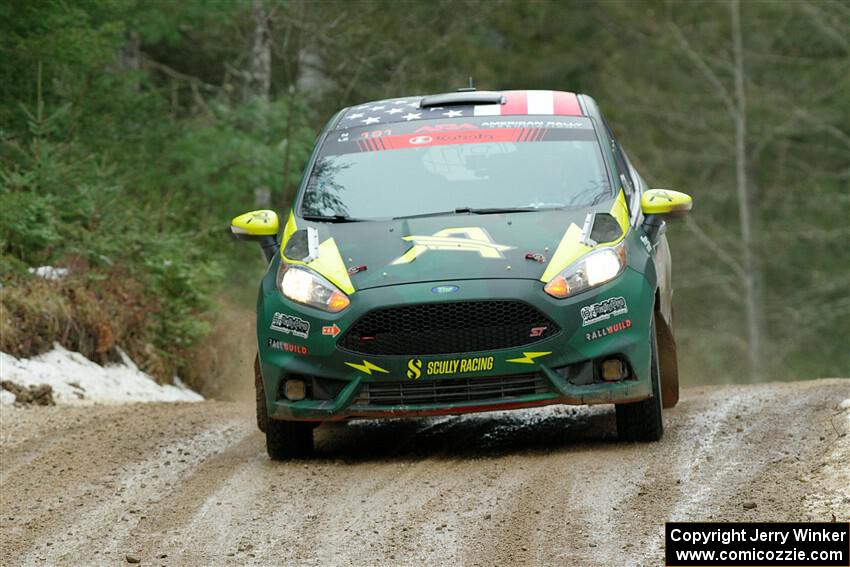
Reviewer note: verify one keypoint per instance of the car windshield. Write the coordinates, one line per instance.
(487, 163)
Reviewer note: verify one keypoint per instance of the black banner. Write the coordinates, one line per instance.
(766, 544)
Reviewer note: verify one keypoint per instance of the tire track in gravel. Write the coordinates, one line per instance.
(87, 475)
(532, 487)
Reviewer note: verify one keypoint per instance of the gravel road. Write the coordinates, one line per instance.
(190, 484)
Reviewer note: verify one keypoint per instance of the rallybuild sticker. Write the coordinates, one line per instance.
(604, 310)
(287, 347)
(609, 330)
(291, 325)
(415, 366)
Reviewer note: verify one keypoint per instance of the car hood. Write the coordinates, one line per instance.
(453, 247)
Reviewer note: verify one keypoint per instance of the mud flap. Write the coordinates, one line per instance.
(668, 363)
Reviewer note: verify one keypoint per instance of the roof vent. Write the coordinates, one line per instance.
(462, 99)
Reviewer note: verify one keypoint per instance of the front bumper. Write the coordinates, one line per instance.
(562, 365)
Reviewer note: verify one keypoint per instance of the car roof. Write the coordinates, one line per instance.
(461, 104)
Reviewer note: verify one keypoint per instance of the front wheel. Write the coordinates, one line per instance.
(284, 439)
(642, 421)
(288, 439)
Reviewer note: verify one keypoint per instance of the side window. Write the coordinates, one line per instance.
(640, 187)
(622, 165)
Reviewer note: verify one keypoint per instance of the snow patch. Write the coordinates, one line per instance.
(49, 272)
(79, 381)
(6, 398)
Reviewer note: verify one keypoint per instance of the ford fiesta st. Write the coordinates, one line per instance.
(465, 252)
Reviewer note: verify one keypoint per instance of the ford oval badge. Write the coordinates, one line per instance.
(445, 289)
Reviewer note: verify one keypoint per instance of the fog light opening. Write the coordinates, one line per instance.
(613, 370)
(295, 390)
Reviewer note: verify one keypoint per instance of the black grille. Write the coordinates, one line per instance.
(445, 328)
(450, 390)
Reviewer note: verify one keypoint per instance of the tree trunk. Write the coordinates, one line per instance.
(260, 73)
(752, 295)
(285, 185)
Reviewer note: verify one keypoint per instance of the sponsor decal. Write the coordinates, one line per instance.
(445, 289)
(470, 239)
(287, 347)
(445, 127)
(415, 366)
(447, 138)
(540, 258)
(291, 325)
(261, 216)
(609, 330)
(567, 124)
(367, 367)
(357, 269)
(528, 357)
(332, 330)
(604, 310)
(646, 243)
(660, 194)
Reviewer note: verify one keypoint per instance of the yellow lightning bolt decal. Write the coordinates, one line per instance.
(529, 357)
(367, 367)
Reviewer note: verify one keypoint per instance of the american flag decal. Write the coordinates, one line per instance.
(517, 103)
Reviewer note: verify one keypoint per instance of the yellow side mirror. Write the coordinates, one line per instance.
(255, 225)
(665, 202)
(259, 226)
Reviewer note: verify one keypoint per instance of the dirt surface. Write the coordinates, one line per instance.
(190, 484)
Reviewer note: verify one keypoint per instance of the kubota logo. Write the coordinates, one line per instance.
(470, 239)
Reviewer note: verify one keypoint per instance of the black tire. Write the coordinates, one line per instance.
(642, 421)
(284, 439)
(288, 439)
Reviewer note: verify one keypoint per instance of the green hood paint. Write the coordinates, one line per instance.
(378, 244)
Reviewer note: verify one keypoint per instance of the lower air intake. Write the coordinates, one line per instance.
(494, 388)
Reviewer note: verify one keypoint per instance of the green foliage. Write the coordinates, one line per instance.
(130, 133)
(27, 226)
(217, 165)
(103, 174)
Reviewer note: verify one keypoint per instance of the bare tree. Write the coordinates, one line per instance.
(753, 299)
(735, 103)
(260, 65)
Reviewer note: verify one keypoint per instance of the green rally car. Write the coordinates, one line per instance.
(465, 252)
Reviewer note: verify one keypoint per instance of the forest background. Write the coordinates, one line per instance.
(132, 131)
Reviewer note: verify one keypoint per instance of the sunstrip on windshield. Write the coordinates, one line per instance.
(451, 138)
(488, 136)
(471, 131)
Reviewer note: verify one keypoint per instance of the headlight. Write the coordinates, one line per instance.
(597, 268)
(306, 286)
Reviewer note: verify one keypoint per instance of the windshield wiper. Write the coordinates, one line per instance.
(497, 210)
(480, 211)
(332, 218)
